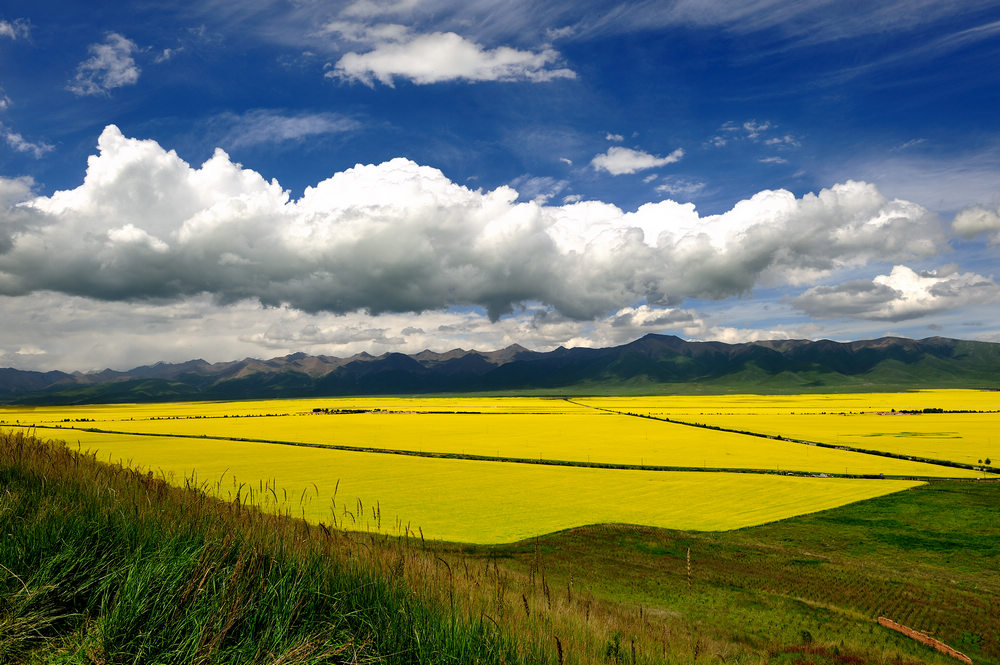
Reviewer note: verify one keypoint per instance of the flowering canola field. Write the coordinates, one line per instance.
(511, 428)
(470, 501)
(493, 501)
(966, 431)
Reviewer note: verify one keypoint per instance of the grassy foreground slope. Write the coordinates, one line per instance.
(100, 564)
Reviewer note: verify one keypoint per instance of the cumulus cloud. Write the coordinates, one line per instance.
(272, 126)
(21, 144)
(944, 183)
(645, 316)
(975, 220)
(618, 160)
(902, 294)
(401, 237)
(731, 335)
(14, 220)
(441, 56)
(109, 66)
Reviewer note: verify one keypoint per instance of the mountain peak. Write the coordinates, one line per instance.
(660, 364)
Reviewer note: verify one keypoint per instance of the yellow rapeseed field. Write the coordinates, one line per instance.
(576, 434)
(949, 400)
(482, 502)
(870, 421)
(958, 437)
(165, 410)
(495, 501)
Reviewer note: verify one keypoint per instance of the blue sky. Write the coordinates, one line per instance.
(222, 179)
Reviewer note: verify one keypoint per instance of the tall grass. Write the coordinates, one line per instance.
(103, 564)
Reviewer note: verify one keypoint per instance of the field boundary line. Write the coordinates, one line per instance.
(924, 638)
(817, 444)
(486, 458)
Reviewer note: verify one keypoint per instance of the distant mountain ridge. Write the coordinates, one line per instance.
(652, 364)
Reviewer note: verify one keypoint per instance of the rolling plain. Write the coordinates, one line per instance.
(491, 470)
(740, 528)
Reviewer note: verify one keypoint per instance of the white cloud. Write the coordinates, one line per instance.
(400, 237)
(124, 335)
(76, 333)
(16, 29)
(535, 327)
(273, 126)
(346, 333)
(733, 335)
(538, 188)
(912, 143)
(902, 294)
(131, 235)
(645, 316)
(364, 9)
(366, 34)
(617, 138)
(91, 336)
(560, 33)
(773, 160)
(679, 187)
(13, 219)
(14, 191)
(754, 128)
(444, 56)
(801, 23)
(975, 220)
(618, 160)
(110, 66)
(755, 132)
(945, 184)
(20, 144)
(787, 140)
(167, 54)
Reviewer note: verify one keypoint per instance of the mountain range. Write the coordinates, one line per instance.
(653, 364)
